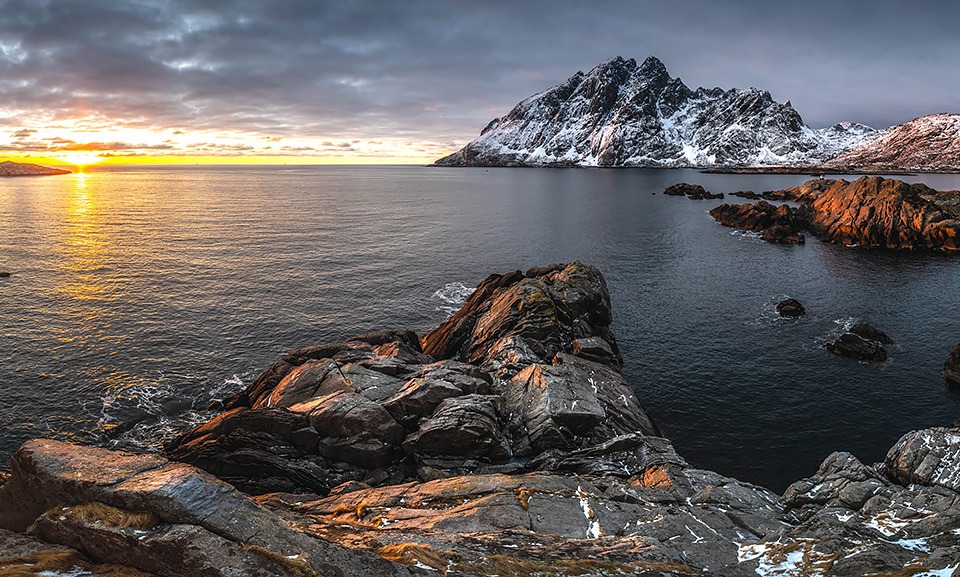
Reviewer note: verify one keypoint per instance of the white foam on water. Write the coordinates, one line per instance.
(452, 296)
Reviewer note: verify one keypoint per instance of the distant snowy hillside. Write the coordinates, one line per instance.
(622, 114)
(926, 143)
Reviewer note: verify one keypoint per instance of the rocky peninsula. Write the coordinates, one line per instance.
(507, 441)
(871, 212)
(10, 168)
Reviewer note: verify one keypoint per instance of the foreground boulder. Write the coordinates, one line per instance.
(164, 518)
(528, 370)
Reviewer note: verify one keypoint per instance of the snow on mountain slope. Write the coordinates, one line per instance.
(926, 143)
(624, 114)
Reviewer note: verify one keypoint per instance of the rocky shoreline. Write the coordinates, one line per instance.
(871, 212)
(505, 442)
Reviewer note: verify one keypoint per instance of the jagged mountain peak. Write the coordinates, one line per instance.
(624, 114)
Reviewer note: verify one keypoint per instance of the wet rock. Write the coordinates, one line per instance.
(461, 428)
(951, 368)
(856, 347)
(862, 329)
(548, 308)
(790, 308)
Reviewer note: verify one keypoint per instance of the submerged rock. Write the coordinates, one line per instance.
(790, 308)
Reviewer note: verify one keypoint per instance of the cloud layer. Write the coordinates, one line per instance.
(419, 78)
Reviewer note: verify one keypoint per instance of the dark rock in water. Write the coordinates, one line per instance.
(777, 224)
(684, 189)
(856, 347)
(951, 368)
(790, 308)
(691, 191)
(749, 194)
(871, 333)
(782, 234)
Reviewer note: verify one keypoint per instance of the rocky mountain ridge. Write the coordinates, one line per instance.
(624, 114)
(928, 143)
(505, 442)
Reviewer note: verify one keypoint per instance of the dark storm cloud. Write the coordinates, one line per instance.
(439, 70)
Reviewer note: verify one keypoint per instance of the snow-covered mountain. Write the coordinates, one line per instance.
(624, 114)
(926, 143)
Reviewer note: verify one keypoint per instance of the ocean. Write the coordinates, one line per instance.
(140, 294)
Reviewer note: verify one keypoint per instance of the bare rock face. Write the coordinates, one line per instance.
(854, 519)
(10, 168)
(875, 212)
(527, 367)
(871, 212)
(164, 518)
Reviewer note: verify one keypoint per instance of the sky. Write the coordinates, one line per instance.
(391, 81)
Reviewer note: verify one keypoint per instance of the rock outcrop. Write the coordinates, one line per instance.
(626, 114)
(928, 143)
(691, 191)
(871, 212)
(527, 368)
(10, 168)
(777, 224)
(158, 517)
(506, 442)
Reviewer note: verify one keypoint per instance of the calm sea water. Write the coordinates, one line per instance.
(139, 294)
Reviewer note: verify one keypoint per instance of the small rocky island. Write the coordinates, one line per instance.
(871, 212)
(10, 168)
(505, 442)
